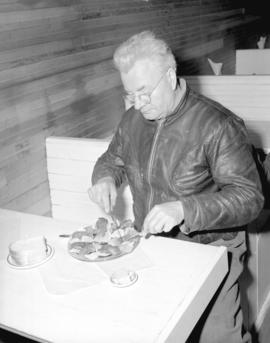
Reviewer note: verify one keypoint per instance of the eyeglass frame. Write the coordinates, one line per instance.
(132, 100)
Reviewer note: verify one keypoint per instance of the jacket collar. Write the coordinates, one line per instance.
(180, 108)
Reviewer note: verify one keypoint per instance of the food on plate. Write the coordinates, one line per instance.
(103, 240)
(28, 251)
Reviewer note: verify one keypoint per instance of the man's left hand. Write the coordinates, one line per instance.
(163, 217)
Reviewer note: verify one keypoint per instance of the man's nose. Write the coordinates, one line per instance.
(138, 103)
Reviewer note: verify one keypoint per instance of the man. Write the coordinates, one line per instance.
(190, 169)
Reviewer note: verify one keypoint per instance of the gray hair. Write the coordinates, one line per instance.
(143, 45)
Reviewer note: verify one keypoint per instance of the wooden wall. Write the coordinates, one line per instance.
(57, 78)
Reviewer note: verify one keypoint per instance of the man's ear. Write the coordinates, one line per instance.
(172, 78)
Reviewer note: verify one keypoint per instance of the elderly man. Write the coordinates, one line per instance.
(190, 169)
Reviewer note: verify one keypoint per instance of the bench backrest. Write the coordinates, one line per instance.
(70, 162)
(247, 96)
(252, 62)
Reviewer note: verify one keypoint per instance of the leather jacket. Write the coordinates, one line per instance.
(200, 154)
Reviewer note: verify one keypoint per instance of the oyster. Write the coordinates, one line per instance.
(103, 240)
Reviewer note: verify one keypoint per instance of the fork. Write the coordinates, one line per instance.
(114, 219)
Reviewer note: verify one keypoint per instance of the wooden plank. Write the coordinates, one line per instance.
(50, 86)
(22, 147)
(75, 149)
(41, 24)
(41, 207)
(37, 14)
(60, 115)
(67, 182)
(22, 143)
(11, 58)
(130, 21)
(99, 131)
(69, 198)
(45, 111)
(32, 196)
(17, 5)
(48, 67)
(201, 49)
(38, 35)
(22, 184)
(29, 36)
(70, 167)
(11, 142)
(18, 165)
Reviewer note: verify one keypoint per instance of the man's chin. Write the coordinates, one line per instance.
(149, 115)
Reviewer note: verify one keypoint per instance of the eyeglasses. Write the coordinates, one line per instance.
(144, 98)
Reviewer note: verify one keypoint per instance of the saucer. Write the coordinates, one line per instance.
(12, 264)
(123, 278)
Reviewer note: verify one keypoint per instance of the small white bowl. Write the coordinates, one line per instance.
(123, 278)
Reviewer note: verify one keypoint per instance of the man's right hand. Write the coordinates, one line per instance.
(104, 193)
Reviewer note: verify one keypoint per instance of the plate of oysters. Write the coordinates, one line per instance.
(104, 240)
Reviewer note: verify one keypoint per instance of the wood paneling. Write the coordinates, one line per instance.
(57, 77)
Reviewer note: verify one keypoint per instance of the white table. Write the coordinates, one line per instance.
(162, 306)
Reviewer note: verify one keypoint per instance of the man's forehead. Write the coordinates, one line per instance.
(139, 77)
(144, 67)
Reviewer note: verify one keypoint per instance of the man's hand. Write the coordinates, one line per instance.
(163, 217)
(104, 193)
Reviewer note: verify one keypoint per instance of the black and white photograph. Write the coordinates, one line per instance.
(134, 171)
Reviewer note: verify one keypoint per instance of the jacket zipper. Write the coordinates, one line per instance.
(151, 160)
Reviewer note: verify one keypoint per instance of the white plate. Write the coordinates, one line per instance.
(133, 242)
(33, 265)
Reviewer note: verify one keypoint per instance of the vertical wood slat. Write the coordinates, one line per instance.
(57, 78)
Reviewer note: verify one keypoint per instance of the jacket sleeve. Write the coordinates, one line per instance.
(239, 198)
(110, 163)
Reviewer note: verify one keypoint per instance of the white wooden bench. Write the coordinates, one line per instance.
(70, 163)
(247, 96)
(252, 62)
